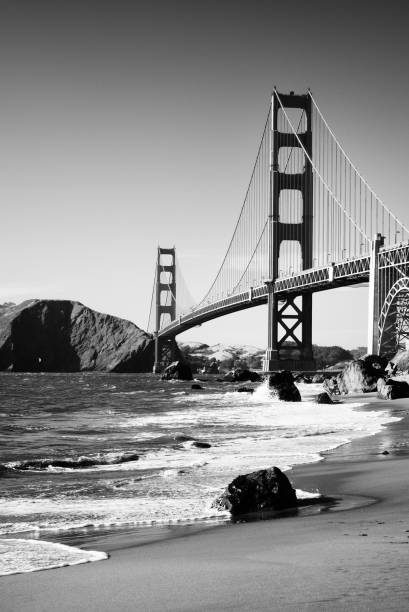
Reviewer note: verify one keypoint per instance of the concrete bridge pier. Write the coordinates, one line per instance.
(373, 296)
(166, 351)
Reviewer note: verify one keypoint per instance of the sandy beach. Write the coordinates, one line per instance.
(355, 558)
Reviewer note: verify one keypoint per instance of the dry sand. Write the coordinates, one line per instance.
(351, 559)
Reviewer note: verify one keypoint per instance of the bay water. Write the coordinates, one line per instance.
(120, 450)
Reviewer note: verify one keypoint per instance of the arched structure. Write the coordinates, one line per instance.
(394, 319)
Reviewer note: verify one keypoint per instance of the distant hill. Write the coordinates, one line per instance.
(65, 336)
(238, 355)
(227, 355)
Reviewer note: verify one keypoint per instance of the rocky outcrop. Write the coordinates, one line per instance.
(212, 368)
(391, 389)
(282, 385)
(361, 375)
(199, 444)
(177, 370)
(239, 375)
(262, 490)
(400, 362)
(318, 378)
(331, 385)
(323, 398)
(65, 336)
(302, 378)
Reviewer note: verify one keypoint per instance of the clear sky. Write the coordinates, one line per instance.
(124, 125)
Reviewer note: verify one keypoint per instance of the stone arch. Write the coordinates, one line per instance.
(393, 325)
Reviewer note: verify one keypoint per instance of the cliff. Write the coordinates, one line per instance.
(65, 336)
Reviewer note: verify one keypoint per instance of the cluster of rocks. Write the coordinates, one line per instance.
(364, 375)
(368, 374)
(241, 375)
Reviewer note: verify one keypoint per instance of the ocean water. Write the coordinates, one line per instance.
(105, 450)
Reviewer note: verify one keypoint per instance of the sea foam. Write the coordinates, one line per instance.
(18, 556)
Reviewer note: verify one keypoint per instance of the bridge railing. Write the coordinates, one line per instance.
(351, 271)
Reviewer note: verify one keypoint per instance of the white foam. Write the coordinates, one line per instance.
(179, 483)
(18, 556)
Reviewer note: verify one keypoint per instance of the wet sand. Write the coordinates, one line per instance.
(356, 558)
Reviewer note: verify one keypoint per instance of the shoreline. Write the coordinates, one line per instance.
(353, 557)
(110, 537)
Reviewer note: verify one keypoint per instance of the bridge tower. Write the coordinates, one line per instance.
(289, 318)
(165, 305)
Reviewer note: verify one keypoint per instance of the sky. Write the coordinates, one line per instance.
(128, 125)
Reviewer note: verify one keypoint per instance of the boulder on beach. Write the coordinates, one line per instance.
(240, 375)
(323, 398)
(302, 378)
(212, 368)
(177, 370)
(318, 378)
(267, 489)
(331, 385)
(196, 387)
(361, 375)
(199, 444)
(399, 363)
(66, 336)
(282, 384)
(391, 389)
(245, 390)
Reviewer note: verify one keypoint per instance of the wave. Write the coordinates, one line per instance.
(20, 556)
(71, 463)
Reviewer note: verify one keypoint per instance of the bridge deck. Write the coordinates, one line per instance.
(342, 274)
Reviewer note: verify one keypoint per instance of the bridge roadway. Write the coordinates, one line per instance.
(341, 274)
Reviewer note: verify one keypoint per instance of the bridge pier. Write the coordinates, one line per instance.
(373, 296)
(166, 351)
(293, 349)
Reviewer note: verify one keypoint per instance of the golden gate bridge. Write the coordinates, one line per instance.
(309, 222)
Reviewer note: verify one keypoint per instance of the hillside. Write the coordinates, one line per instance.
(66, 336)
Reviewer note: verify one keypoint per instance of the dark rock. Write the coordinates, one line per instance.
(318, 378)
(182, 438)
(212, 368)
(196, 387)
(282, 384)
(331, 385)
(177, 370)
(244, 390)
(262, 490)
(323, 398)
(391, 389)
(239, 375)
(385, 452)
(400, 362)
(65, 336)
(198, 444)
(361, 375)
(391, 368)
(302, 378)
